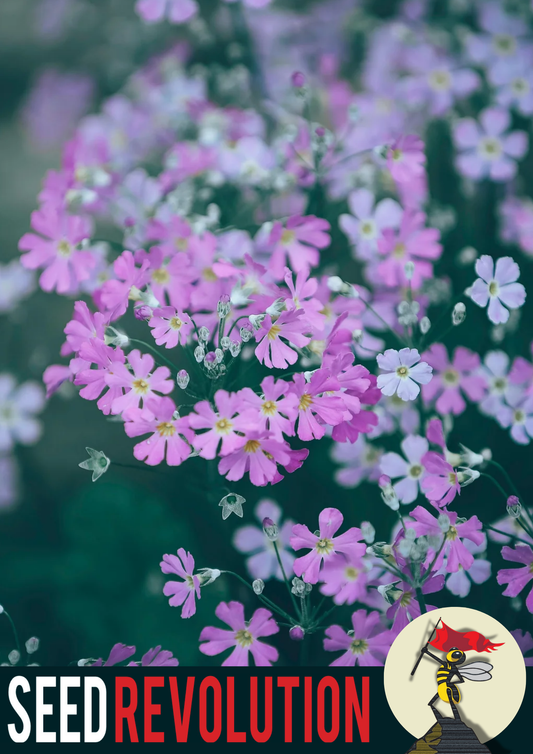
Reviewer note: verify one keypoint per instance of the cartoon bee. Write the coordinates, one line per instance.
(448, 691)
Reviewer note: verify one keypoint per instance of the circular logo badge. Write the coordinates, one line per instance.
(454, 673)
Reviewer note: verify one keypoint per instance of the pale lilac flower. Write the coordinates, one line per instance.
(225, 426)
(170, 326)
(243, 636)
(9, 488)
(450, 380)
(360, 461)
(119, 653)
(16, 284)
(412, 242)
(182, 592)
(366, 646)
(495, 371)
(57, 249)
(441, 484)
(412, 471)
(406, 158)
(497, 286)
(454, 550)
(325, 544)
(299, 240)
(514, 86)
(316, 405)
(345, 579)
(403, 373)
(262, 562)
(157, 658)
(517, 578)
(517, 414)
(488, 148)
(141, 383)
(271, 349)
(459, 582)
(170, 438)
(177, 11)
(18, 406)
(367, 219)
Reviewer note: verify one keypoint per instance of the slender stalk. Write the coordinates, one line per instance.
(506, 534)
(15, 632)
(388, 327)
(421, 600)
(495, 483)
(261, 597)
(285, 579)
(154, 350)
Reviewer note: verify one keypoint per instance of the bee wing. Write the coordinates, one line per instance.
(477, 671)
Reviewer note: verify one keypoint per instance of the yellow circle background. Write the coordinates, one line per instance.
(486, 706)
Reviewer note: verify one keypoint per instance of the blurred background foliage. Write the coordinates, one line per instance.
(79, 562)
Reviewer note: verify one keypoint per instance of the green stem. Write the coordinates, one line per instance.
(388, 327)
(421, 600)
(285, 579)
(506, 534)
(154, 350)
(496, 484)
(263, 599)
(15, 633)
(244, 316)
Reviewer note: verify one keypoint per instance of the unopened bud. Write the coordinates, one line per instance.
(182, 378)
(358, 336)
(459, 313)
(256, 320)
(514, 506)
(208, 575)
(466, 476)
(367, 532)
(338, 285)
(225, 343)
(298, 79)
(296, 633)
(271, 529)
(234, 348)
(380, 550)
(390, 593)
(223, 306)
(409, 269)
(32, 645)
(199, 354)
(246, 333)
(14, 656)
(425, 324)
(203, 334)
(143, 313)
(468, 255)
(388, 494)
(300, 588)
(258, 585)
(276, 307)
(113, 337)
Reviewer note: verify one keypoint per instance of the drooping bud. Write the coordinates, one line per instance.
(143, 313)
(256, 320)
(300, 588)
(466, 476)
(425, 325)
(271, 529)
(390, 593)
(210, 360)
(338, 285)
(113, 337)
(358, 336)
(32, 645)
(225, 343)
(469, 458)
(258, 586)
(182, 378)
(223, 306)
(380, 550)
(234, 348)
(199, 353)
(14, 656)
(388, 494)
(208, 575)
(296, 633)
(514, 506)
(232, 503)
(276, 307)
(459, 313)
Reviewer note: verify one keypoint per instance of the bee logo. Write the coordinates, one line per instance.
(452, 670)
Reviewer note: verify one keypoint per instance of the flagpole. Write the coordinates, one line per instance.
(422, 650)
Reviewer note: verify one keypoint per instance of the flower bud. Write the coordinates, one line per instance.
(225, 343)
(390, 593)
(143, 313)
(338, 285)
(300, 588)
(514, 506)
(409, 269)
(256, 320)
(14, 656)
(271, 529)
(358, 336)
(298, 79)
(425, 324)
(468, 255)
(276, 307)
(246, 332)
(223, 306)
(459, 313)
(208, 575)
(296, 633)
(258, 585)
(182, 378)
(368, 532)
(388, 494)
(469, 458)
(234, 349)
(113, 337)
(466, 476)
(219, 355)
(199, 353)
(32, 645)
(203, 334)
(380, 550)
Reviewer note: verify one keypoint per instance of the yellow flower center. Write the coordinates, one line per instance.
(396, 154)
(181, 244)
(176, 323)
(351, 573)
(273, 333)
(166, 429)
(490, 147)
(399, 251)
(305, 401)
(244, 638)
(324, 546)
(160, 276)
(493, 288)
(451, 533)
(415, 471)
(252, 446)
(519, 416)
(504, 44)
(450, 377)
(367, 228)
(402, 371)
(64, 249)
(440, 80)
(141, 386)
(209, 275)
(406, 599)
(520, 87)
(358, 646)
(452, 477)
(287, 237)
(500, 383)
(269, 408)
(223, 426)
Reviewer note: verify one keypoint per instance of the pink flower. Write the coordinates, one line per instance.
(302, 293)
(364, 226)
(55, 249)
(262, 562)
(460, 582)
(345, 579)
(170, 326)
(275, 410)
(83, 326)
(407, 607)
(243, 636)
(458, 556)
(440, 484)
(299, 240)
(181, 592)
(226, 425)
(517, 578)
(406, 158)
(367, 645)
(393, 465)
(411, 243)
(272, 350)
(257, 454)
(115, 294)
(177, 11)
(119, 653)
(488, 149)
(157, 657)
(170, 279)
(166, 440)
(525, 642)
(104, 358)
(314, 408)
(497, 287)
(450, 379)
(402, 373)
(325, 544)
(141, 383)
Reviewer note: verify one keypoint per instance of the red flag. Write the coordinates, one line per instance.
(447, 638)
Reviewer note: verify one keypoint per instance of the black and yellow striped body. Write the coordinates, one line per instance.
(444, 675)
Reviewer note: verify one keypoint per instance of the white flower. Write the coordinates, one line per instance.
(402, 373)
